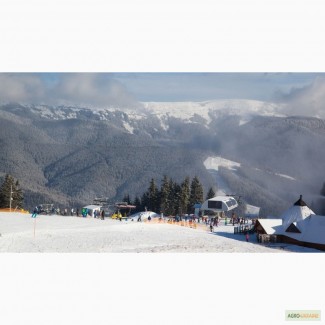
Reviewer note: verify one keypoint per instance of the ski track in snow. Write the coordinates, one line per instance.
(71, 234)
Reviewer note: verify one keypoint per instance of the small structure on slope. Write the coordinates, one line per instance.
(220, 204)
(299, 225)
(92, 209)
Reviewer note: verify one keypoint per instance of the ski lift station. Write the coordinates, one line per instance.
(218, 204)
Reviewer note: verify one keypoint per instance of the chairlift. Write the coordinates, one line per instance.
(123, 210)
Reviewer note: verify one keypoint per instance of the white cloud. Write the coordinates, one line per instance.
(91, 88)
(308, 100)
(21, 87)
(94, 89)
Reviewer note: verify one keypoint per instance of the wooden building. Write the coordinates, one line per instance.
(299, 225)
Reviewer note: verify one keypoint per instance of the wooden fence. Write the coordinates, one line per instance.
(264, 238)
(242, 229)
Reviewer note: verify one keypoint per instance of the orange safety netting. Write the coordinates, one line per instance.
(13, 210)
(189, 224)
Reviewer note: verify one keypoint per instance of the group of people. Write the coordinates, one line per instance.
(40, 209)
(214, 222)
(237, 220)
(98, 214)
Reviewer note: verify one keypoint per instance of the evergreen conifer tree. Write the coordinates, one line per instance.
(164, 195)
(144, 202)
(10, 190)
(185, 196)
(211, 193)
(18, 196)
(126, 198)
(196, 195)
(171, 198)
(137, 203)
(153, 196)
(177, 199)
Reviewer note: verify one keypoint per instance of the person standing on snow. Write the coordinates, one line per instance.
(211, 226)
(247, 236)
(216, 221)
(233, 216)
(35, 213)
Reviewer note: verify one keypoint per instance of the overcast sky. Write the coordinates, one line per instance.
(304, 93)
(209, 86)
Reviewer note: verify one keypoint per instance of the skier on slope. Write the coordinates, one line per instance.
(35, 213)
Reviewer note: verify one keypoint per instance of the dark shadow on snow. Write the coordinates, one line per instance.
(239, 237)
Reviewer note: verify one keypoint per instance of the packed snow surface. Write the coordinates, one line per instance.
(212, 164)
(46, 233)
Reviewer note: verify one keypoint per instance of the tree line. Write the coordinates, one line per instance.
(11, 195)
(171, 198)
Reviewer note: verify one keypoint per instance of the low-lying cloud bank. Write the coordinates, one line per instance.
(94, 89)
(104, 90)
(306, 101)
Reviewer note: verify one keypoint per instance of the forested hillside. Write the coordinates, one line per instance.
(69, 155)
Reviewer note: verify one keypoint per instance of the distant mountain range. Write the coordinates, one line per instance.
(68, 155)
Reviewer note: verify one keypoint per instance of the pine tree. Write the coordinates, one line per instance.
(5, 191)
(211, 194)
(11, 191)
(153, 196)
(185, 196)
(126, 199)
(137, 203)
(196, 195)
(18, 196)
(171, 198)
(164, 195)
(177, 199)
(144, 202)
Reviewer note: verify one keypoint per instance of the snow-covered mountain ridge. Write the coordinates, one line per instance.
(181, 110)
(240, 107)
